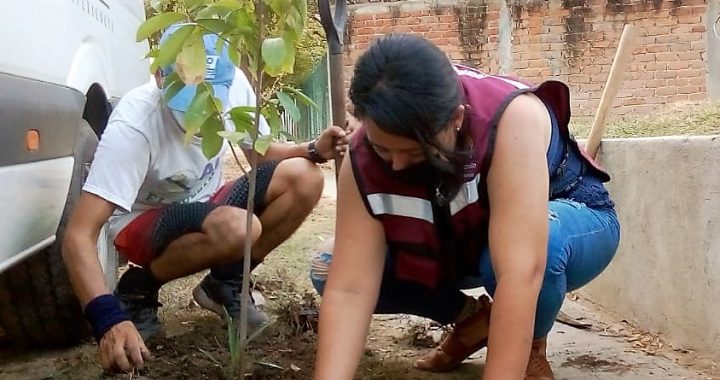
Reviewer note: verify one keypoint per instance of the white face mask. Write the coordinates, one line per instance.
(179, 118)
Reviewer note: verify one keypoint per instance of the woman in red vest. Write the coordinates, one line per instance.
(456, 174)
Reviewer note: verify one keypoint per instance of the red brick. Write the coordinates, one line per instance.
(689, 37)
(652, 66)
(678, 65)
(698, 28)
(665, 21)
(666, 57)
(645, 57)
(685, 27)
(632, 101)
(701, 97)
(694, 2)
(666, 74)
(655, 83)
(666, 91)
(697, 81)
(678, 98)
(678, 82)
(690, 73)
(657, 30)
(688, 89)
(666, 39)
(644, 92)
(698, 45)
(657, 48)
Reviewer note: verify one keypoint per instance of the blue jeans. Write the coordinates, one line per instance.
(581, 243)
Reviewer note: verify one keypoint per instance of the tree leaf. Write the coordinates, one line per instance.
(173, 89)
(234, 137)
(298, 95)
(198, 111)
(244, 120)
(289, 106)
(152, 53)
(172, 46)
(219, 10)
(190, 62)
(262, 144)
(214, 25)
(272, 116)
(192, 4)
(212, 142)
(157, 23)
(274, 52)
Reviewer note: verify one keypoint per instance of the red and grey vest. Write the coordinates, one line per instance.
(418, 231)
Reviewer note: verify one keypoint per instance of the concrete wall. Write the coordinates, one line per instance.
(570, 40)
(666, 276)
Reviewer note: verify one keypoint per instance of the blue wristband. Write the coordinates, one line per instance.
(104, 312)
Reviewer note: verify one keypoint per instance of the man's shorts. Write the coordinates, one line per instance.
(149, 234)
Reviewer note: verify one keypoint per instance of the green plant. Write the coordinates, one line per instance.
(262, 38)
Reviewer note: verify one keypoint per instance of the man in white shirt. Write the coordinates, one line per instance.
(168, 211)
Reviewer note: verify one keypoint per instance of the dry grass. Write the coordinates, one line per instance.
(675, 120)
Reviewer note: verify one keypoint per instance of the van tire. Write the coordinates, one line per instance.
(38, 307)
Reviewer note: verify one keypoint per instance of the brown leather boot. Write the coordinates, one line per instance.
(466, 337)
(538, 367)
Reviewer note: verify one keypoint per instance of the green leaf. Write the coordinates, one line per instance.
(274, 51)
(279, 7)
(152, 53)
(300, 96)
(263, 143)
(212, 142)
(242, 21)
(243, 119)
(156, 5)
(296, 23)
(272, 116)
(233, 50)
(289, 105)
(234, 137)
(157, 23)
(198, 112)
(219, 10)
(172, 46)
(192, 4)
(173, 89)
(214, 25)
(190, 62)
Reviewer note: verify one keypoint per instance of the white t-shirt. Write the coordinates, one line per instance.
(142, 161)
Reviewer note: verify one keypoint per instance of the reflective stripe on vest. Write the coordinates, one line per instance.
(419, 208)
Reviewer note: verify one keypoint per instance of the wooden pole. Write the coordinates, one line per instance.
(622, 58)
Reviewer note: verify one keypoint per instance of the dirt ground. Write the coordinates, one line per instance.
(196, 342)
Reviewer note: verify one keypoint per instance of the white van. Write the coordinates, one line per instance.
(62, 66)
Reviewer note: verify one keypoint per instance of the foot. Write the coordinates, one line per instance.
(140, 305)
(538, 367)
(218, 296)
(467, 336)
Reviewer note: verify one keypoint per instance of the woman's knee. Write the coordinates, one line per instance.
(226, 228)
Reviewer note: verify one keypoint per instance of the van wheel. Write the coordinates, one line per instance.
(38, 307)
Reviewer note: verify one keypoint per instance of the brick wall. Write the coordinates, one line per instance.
(570, 40)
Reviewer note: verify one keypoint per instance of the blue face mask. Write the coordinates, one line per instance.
(179, 117)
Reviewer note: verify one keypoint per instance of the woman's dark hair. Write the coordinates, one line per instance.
(408, 87)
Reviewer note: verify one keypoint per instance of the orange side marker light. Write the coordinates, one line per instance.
(32, 140)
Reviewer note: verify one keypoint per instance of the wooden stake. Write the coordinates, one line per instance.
(622, 58)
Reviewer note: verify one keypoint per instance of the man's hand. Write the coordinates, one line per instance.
(333, 139)
(122, 349)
